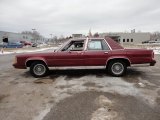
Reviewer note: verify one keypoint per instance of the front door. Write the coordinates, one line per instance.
(71, 55)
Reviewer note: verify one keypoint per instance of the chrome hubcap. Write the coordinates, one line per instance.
(117, 68)
(39, 69)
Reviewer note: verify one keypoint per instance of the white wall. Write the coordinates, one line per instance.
(137, 38)
(14, 37)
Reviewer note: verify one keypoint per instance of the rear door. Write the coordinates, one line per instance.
(97, 52)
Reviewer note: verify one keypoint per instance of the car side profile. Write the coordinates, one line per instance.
(13, 45)
(86, 52)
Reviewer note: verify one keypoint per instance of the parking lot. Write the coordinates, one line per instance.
(79, 94)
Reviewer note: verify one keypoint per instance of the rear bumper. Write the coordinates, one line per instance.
(153, 63)
(15, 65)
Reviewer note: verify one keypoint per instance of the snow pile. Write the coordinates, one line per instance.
(38, 50)
(2, 52)
(155, 49)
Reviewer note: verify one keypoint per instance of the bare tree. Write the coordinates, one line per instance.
(155, 35)
(35, 35)
(96, 34)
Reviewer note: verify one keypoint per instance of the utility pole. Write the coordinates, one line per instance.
(51, 37)
(33, 35)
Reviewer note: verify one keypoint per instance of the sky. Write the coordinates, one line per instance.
(65, 17)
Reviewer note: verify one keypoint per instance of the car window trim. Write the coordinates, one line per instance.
(107, 44)
(101, 42)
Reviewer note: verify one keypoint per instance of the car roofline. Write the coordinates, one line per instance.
(84, 38)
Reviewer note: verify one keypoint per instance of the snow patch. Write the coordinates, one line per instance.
(42, 114)
(27, 51)
(155, 49)
(105, 111)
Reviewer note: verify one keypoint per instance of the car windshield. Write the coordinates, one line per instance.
(62, 46)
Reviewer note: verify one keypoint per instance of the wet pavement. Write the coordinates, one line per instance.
(81, 106)
(72, 94)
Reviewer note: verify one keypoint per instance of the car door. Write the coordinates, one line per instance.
(97, 52)
(69, 56)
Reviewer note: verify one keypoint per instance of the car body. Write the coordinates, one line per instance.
(34, 45)
(86, 52)
(25, 43)
(13, 45)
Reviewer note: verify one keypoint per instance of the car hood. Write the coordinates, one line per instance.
(35, 54)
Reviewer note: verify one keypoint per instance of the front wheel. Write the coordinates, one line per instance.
(117, 68)
(38, 69)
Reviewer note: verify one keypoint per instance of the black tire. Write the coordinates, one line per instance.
(38, 69)
(117, 68)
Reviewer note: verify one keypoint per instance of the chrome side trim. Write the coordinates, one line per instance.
(140, 65)
(78, 67)
(117, 49)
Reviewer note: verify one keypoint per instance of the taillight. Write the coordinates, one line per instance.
(153, 54)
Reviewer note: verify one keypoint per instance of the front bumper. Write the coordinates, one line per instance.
(15, 65)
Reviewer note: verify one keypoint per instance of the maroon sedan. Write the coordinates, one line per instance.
(86, 52)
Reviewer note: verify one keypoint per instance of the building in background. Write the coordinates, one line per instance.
(77, 35)
(128, 38)
(17, 37)
(14, 37)
(121, 37)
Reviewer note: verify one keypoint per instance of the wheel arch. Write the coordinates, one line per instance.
(124, 59)
(31, 60)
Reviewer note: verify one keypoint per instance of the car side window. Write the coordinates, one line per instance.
(94, 45)
(105, 46)
(97, 45)
(74, 46)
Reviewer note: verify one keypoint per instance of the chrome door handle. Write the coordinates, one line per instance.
(105, 52)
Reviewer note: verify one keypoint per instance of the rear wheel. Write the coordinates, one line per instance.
(117, 68)
(38, 69)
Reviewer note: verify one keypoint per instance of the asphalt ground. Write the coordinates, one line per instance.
(79, 94)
